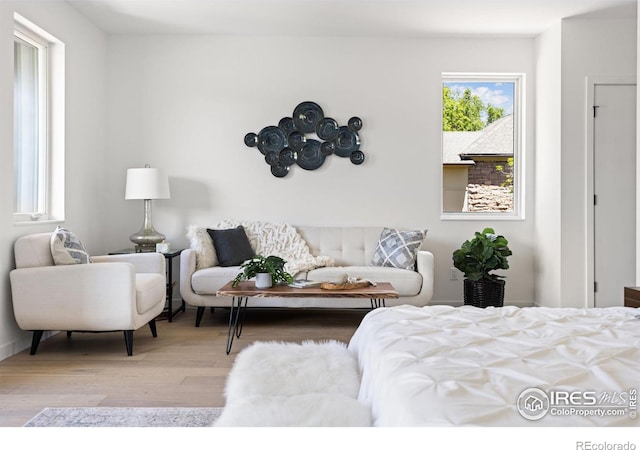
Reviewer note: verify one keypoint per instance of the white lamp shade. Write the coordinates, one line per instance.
(146, 183)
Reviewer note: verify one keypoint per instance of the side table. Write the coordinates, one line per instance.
(169, 256)
(632, 297)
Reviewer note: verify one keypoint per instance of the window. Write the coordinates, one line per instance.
(481, 146)
(36, 188)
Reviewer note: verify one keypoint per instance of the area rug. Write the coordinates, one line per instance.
(125, 417)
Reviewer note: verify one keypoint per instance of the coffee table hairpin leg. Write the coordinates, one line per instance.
(236, 319)
(377, 303)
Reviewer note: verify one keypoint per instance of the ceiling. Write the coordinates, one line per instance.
(388, 18)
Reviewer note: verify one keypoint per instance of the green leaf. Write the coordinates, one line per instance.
(260, 264)
(486, 252)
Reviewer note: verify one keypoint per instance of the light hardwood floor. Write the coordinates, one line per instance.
(183, 366)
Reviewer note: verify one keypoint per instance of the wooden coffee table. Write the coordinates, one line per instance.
(241, 293)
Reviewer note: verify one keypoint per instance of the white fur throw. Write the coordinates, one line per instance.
(266, 239)
(286, 369)
(289, 384)
(201, 242)
(308, 410)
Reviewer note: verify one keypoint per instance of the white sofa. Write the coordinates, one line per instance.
(352, 248)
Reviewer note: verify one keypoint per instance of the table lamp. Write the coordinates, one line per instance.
(146, 184)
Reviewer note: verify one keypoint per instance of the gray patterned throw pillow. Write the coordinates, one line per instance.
(67, 249)
(398, 248)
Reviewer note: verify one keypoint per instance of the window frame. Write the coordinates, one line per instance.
(50, 201)
(518, 79)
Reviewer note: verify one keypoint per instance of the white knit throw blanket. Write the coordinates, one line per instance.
(281, 240)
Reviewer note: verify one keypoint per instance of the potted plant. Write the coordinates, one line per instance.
(477, 258)
(268, 270)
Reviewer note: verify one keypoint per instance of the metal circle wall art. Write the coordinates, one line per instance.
(310, 157)
(355, 123)
(327, 129)
(251, 140)
(286, 124)
(271, 139)
(347, 142)
(306, 139)
(296, 139)
(287, 156)
(306, 116)
(279, 171)
(357, 157)
(327, 148)
(272, 158)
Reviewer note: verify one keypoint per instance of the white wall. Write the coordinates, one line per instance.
(85, 140)
(590, 47)
(566, 55)
(185, 104)
(548, 204)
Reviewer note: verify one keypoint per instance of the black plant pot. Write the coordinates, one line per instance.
(484, 293)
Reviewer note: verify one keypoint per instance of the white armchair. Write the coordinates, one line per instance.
(114, 293)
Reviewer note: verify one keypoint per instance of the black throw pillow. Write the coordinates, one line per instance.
(232, 246)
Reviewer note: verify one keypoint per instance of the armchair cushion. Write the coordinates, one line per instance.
(149, 287)
(149, 262)
(66, 248)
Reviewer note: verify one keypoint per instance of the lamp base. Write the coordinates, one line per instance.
(146, 239)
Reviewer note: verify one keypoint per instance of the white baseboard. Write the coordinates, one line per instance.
(22, 343)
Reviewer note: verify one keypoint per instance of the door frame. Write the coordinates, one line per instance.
(592, 82)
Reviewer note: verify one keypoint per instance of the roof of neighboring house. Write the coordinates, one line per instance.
(456, 142)
(459, 147)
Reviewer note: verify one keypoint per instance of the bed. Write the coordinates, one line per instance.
(467, 366)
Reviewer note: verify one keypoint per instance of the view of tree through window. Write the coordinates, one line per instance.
(479, 145)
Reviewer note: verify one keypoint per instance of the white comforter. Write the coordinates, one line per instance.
(446, 366)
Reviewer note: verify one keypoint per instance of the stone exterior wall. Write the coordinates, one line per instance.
(484, 172)
(483, 198)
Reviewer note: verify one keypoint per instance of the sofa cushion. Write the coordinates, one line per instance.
(66, 248)
(407, 282)
(209, 281)
(348, 246)
(398, 248)
(232, 246)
